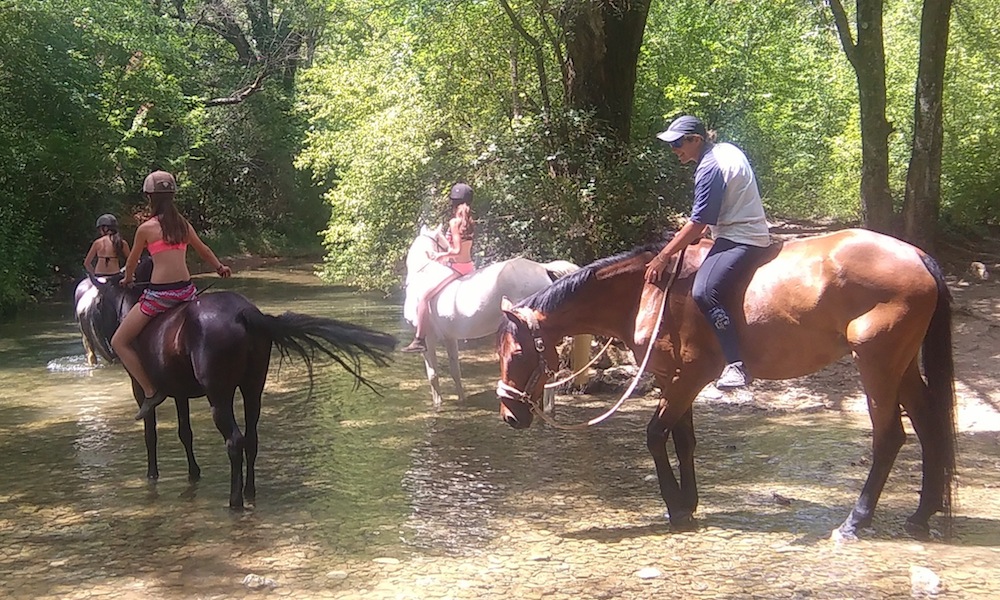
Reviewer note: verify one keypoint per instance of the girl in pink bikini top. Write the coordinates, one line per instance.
(157, 246)
(458, 256)
(170, 284)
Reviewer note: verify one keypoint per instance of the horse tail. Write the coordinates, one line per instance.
(309, 337)
(939, 369)
(559, 268)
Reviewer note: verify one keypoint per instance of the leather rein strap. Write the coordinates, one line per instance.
(507, 391)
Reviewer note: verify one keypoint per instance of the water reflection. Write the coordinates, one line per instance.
(363, 495)
(453, 493)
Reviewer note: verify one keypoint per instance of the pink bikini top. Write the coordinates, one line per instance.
(160, 245)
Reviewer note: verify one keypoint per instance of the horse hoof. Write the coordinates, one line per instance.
(916, 530)
(683, 523)
(843, 535)
(194, 475)
(234, 507)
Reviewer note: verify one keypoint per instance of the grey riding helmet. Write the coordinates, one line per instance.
(107, 220)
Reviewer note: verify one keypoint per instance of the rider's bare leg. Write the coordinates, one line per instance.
(417, 345)
(130, 327)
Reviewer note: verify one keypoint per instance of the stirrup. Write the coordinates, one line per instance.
(733, 376)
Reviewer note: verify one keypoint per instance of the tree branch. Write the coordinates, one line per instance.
(536, 46)
(241, 95)
(543, 15)
(231, 31)
(844, 30)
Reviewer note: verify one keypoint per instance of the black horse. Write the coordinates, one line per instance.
(221, 341)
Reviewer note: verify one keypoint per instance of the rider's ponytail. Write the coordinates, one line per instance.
(467, 226)
(117, 243)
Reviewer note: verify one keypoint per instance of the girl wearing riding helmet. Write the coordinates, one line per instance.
(107, 251)
(166, 235)
(458, 256)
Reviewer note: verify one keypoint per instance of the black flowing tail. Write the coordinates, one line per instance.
(310, 337)
(939, 369)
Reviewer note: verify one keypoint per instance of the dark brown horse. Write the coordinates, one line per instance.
(811, 302)
(220, 342)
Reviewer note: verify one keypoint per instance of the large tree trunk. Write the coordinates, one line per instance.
(603, 38)
(923, 180)
(867, 56)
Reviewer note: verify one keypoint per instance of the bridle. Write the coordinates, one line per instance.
(434, 238)
(508, 392)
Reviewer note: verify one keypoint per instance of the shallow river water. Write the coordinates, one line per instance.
(367, 496)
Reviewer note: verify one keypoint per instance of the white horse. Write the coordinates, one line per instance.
(467, 308)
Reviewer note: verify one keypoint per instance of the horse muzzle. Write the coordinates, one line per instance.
(516, 414)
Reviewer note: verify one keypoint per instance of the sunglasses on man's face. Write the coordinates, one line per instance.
(678, 142)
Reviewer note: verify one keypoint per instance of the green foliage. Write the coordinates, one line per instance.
(372, 110)
(94, 95)
(565, 189)
(770, 77)
(18, 238)
(971, 161)
(417, 104)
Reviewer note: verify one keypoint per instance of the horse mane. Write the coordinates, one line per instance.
(549, 298)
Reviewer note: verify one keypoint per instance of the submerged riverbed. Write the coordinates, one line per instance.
(381, 496)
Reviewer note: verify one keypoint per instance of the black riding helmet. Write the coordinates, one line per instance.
(107, 220)
(461, 193)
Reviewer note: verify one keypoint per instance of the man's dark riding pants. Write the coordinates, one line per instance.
(726, 267)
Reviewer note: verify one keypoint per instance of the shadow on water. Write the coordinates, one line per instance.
(379, 496)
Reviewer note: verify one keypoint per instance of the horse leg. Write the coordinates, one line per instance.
(915, 398)
(430, 363)
(881, 383)
(680, 505)
(684, 444)
(149, 434)
(187, 437)
(225, 422)
(252, 392)
(88, 350)
(454, 367)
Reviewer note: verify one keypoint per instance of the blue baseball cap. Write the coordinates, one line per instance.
(681, 126)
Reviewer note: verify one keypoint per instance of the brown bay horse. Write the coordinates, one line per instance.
(809, 303)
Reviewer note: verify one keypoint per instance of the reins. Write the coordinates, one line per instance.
(437, 244)
(555, 384)
(642, 367)
(198, 292)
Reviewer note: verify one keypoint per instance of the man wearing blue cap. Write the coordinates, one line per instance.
(726, 202)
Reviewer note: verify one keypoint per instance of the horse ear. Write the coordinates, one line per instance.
(506, 304)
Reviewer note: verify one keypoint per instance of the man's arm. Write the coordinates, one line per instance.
(690, 232)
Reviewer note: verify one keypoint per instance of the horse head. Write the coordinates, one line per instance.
(419, 255)
(526, 363)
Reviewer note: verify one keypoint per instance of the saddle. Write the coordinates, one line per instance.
(693, 256)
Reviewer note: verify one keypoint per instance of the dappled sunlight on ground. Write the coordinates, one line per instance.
(380, 496)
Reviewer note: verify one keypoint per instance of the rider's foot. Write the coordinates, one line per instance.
(149, 403)
(733, 376)
(417, 345)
